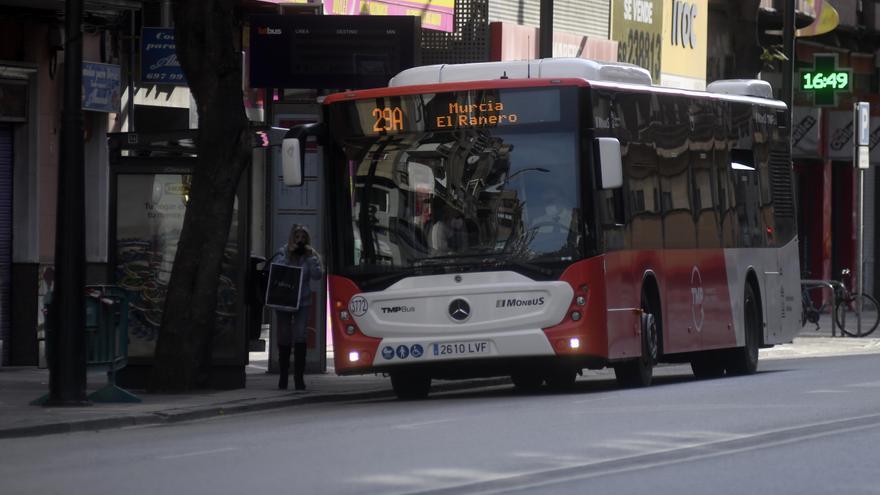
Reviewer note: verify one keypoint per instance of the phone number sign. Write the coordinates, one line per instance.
(159, 64)
(637, 26)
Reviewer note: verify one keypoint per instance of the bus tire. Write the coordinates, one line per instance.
(410, 386)
(707, 367)
(639, 372)
(527, 382)
(744, 360)
(561, 379)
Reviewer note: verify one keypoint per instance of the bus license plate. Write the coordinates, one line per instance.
(461, 348)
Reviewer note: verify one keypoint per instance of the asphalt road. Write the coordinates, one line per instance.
(799, 426)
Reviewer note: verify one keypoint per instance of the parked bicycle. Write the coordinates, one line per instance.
(845, 304)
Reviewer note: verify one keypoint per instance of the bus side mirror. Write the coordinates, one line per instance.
(291, 162)
(610, 162)
(293, 151)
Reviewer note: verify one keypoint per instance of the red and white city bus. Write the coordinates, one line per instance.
(537, 218)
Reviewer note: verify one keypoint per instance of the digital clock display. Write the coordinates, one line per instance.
(814, 81)
(825, 79)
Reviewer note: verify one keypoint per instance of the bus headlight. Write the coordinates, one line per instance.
(574, 343)
(575, 315)
(354, 356)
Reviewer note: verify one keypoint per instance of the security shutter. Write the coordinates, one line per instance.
(469, 41)
(5, 236)
(581, 17)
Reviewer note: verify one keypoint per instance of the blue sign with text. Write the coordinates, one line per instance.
(101, 85)
(159, 64)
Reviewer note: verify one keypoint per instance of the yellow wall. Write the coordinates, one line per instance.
(684, 60)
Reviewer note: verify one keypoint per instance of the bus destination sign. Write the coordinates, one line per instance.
(475, 115)
(459, 116)
(460, 110)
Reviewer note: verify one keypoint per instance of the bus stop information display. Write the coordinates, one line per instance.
(330, 52)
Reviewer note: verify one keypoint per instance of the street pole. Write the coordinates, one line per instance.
(860, 272)
(132, 33)
(788, 40)
(861, 161)
(545, 41)
(67, 364)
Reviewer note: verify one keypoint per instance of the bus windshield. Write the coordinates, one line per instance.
(460, 179)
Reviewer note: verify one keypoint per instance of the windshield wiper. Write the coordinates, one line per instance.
(442, 263)
(483, 259)
(447, 260)
(398, 273)
(526, 266)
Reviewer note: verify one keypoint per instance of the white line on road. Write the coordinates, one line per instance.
(594, 399)
(201, 452)
(417, 425)
(865, 385)
(534, 480)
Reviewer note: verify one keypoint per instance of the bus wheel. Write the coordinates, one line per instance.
(410, 386)
(562, 378)
(708, 367)
(744, 360)
(639, 372)
(527, 382)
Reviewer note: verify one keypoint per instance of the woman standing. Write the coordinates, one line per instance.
(292, 324)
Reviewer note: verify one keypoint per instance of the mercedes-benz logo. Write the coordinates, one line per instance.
(459, 310)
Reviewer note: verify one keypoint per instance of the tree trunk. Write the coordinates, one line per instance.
(206, 33)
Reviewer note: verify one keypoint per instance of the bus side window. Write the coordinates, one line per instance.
(644, 221)
(612, 208)
(611, 218)
(702, 180)
(747, 194)
(705, 213)
(762, 165)
(674, 169)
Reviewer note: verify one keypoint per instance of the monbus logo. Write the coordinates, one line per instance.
(268, 31)
(515, 303)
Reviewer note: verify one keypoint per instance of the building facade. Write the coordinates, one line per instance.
(31, 67)
(747, 41)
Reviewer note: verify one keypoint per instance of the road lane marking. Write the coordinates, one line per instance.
(413, 426)
(593, 399)
(865, 385)
(665, 457)
(201, 452)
